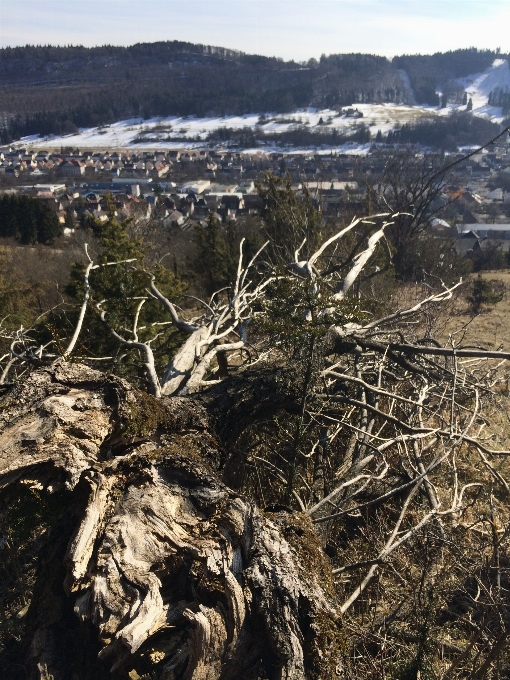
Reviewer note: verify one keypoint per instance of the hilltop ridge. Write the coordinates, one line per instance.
(60, 90)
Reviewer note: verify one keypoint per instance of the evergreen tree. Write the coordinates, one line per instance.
(120, 288)
(469, 106)
(212, 263)
(28, 220)
(368, 202)
(69, 223)
(289, 219)
(483, 292)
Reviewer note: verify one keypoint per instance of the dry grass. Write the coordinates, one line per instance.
(453, 324)
(491, 328)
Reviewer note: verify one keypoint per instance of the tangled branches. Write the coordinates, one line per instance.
(356, 415)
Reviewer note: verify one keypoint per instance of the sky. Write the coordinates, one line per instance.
(291, 29)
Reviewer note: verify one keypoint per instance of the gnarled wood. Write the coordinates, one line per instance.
(168, 571)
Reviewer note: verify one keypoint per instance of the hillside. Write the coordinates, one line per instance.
(52, 89)
(59, 90)
(428, 73)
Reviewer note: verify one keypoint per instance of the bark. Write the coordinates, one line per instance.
(181, 367)
(153, 567)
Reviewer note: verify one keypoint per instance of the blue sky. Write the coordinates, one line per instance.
(297, 29)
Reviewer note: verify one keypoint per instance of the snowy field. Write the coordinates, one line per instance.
(191, 132)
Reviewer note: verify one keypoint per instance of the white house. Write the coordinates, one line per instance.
(496, 195)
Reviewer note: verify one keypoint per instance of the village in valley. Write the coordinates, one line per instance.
(179, 169)
(182, 187)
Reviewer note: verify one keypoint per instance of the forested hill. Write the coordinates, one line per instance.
(93, 86)
(427, 73)
(56, 89)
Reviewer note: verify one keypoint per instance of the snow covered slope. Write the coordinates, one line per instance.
(480, 85)
(192, 132)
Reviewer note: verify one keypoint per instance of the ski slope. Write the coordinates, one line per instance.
(480, 85)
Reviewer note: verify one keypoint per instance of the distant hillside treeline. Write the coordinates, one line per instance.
(54, 90)
(51, 89)
(430, 72)
(300, 135)
(448, 133)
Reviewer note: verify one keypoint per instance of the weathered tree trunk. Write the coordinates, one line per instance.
(150, 567)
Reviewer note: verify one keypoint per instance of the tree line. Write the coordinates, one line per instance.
(49, 90)
(28, 220)
(298, 135)
(500, 98)
(448, 133)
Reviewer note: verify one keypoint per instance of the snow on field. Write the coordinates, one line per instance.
(349, 149)
(191, 132)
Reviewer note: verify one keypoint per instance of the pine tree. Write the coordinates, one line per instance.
(211, 263)
(29, 220)
(483, 292)
(288, 219)
(120, 288)
(69, 222)
(368, 202)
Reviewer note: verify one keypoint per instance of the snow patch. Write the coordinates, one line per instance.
(175, 132)
(479, 86)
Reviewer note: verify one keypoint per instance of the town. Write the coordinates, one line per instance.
(182, 187)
